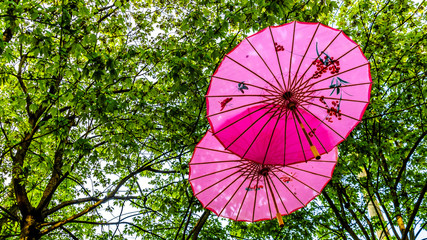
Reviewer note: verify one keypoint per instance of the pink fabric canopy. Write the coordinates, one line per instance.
(289, 92)
(242, 190)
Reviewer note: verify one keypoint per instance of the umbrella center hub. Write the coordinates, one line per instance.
(291, 105)
(287, 95)
(264, 171)
(289, 100)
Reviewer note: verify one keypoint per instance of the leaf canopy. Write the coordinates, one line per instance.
(103, 102)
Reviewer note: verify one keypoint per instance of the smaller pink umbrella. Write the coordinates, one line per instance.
(243, 190)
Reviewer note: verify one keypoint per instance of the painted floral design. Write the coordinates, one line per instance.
(255, 187)
(279, 47)
(336, 83)
(333, 111)
(224, 102)
(241, 86)
(287, 179)
(325, 63)
(312, 132)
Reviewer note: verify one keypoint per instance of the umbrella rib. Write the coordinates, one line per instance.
(247, 115)
(278, 215)
(277, 81)
(287, 188)
(246, 95)
(229, 200)
(271, 137)
(252, 124)
(244, 198)
(277, 55)
(312, 84)
(222, 170)
(242, 106)
(268, 200)
(290, 60)
(298, 180)
(253, 73)
(284, 136)
(237, 178)
(322, 122)
(301, 78)
(303, 170)
(320, 161)
(305, 54)
(311, 130)
(248, 84)
(343, 99)
(215, 183)
(314, 104)
(216, 150)
(237, 160)
(312, 161)
(278, 194)
(256, 194)
(299, 137)
(343, 86)
(259, 132)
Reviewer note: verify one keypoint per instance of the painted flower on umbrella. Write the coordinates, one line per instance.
(224, 102)
(337, 83)
(325, 64)
(332, 111)
(241, 86)
(287, 179)
(279, 47)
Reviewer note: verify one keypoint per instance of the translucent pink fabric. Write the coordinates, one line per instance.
(235, 189)
(307, 69)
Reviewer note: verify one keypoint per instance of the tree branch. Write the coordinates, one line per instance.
(8, 32)
(415, 211)
(342, 192)
(339, 217)
(160, 171)
(18, 175)
(397, 111)
(55, 176)
(84, 200)
(106, 198)
(22, 84)
(187, 212)
(421, 229)
(406, 160)
(378, 213)
(11, 215)
(199, 225)
(121, 222)
(69, 233)
(387, 214)
(416, 10)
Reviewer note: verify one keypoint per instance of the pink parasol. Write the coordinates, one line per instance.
(289, 93)
(244, 190)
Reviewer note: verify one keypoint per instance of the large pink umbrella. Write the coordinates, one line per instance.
(289, 93)
(244, 190)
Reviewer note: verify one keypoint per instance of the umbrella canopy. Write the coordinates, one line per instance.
(244, 190)
(289, 93)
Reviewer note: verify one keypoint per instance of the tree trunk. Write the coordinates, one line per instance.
(29, 229)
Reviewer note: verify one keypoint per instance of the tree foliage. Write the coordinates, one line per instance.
(102, 103)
